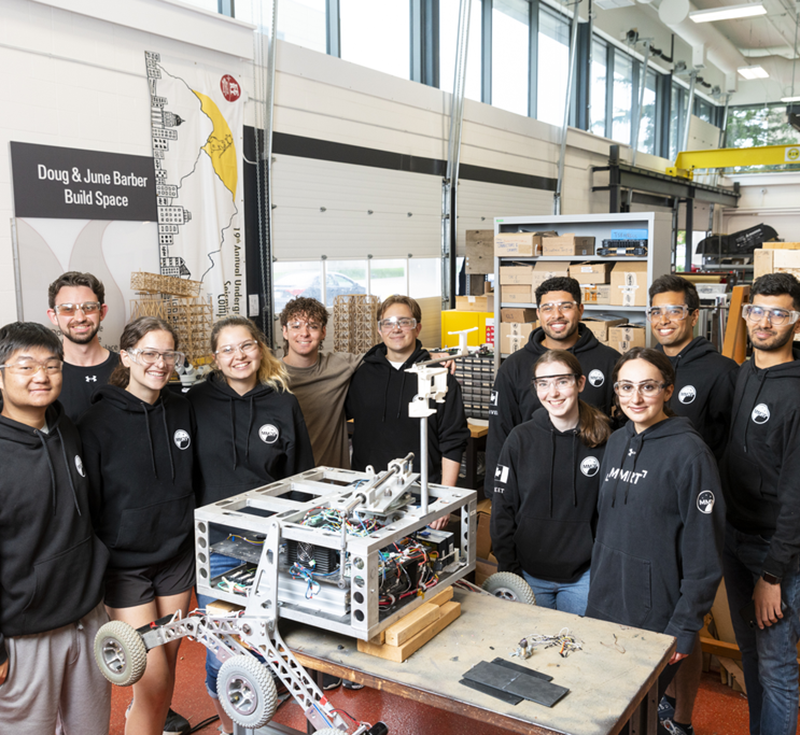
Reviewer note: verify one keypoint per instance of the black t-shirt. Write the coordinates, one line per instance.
(81, 382)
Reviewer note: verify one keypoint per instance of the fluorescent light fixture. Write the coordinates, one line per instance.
(791, 99)
(728, 12)
(753, 72)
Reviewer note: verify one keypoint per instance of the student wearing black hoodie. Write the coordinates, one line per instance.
(760, 472)
(51, 561)
(703, 393)
(656, 562)
(512, 401)
(381, 390)
(250, 432)
(138, 439)
(544, 509)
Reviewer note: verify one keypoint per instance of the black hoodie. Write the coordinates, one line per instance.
(378, 401)
(704, 382)
(657, 558)
(761, 466)
(544, 508)
(51, 562)
(513, 401)
(246, 441)
(139, 459)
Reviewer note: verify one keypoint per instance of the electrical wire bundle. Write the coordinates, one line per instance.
(405, 570)
(331, 520)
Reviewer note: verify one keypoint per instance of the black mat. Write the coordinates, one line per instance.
(512, 681)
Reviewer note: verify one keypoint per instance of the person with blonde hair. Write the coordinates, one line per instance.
(544, 509)
(250, 432)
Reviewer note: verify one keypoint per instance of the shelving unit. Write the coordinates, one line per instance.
(659, 231)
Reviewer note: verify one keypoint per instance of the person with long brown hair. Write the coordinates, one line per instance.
(138, 454)
(546, 482)
(250, 432)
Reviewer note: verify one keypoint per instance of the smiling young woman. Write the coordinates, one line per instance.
(545, 491)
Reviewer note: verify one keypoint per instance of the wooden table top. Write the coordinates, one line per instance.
(607, 679)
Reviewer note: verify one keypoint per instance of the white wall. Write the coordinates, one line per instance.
(79, 81)
(770, 198)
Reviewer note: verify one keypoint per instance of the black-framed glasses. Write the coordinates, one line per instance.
(670, 312)
(776, 317)
(645, 388)
(87, 307)
(565, 381)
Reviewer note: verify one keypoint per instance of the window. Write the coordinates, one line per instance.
(377, 35)
(303, 22)
(296, 279)
(448, 33)
(424, 277)
(510, 44)
(702, 109)
(388, 277)
(647, 124)
(553, 67)
(345, 277)
(623, 98)
(597, 89)
(677, 110)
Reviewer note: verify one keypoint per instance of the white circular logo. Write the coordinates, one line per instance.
(596, 378)
(705, 502)
(687, 394)
(590, 466)
(79, 466)
(182, 439)
(268, 434)
(760, 414)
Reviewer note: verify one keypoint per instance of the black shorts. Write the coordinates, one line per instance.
(140, 585)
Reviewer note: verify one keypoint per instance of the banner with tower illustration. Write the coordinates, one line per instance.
(197, 128)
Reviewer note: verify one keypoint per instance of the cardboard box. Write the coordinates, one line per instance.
(776, 261)
(544, 271)
(601, 327)
(484, 568)
(781, 245)
(590, 272)
(516, 275)
(454, 320)
(518, 315)
(522, 244)
(480, 252)
(484, 303)
(629, 284)
(598, 293)
(569, 244)
(514, 336)
(625, 337)
(516, 294)
(483, 538)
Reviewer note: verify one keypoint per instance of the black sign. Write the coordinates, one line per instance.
(69, 183)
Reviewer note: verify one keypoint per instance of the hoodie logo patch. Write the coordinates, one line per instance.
(182, 439)
(590, 466)
(687, 394)
(268, 434)
(501, 473)
(596, 378)
(705, 502)
(493, 398)
(79, 465)
(760, 414)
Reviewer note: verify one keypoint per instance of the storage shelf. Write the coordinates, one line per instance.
(581, 258)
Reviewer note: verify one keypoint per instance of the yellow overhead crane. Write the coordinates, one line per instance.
(766, 155)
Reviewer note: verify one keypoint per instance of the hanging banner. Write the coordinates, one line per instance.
(197, 128)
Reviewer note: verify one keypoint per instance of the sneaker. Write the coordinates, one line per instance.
(330, 682)
(176, 724)
(665, 710)
(351, 685)
(674, 729)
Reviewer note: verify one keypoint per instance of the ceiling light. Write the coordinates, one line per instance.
(753, 72)
(790, 99)
(728, 12)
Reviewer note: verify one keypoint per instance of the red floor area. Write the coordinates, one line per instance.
(719, 710)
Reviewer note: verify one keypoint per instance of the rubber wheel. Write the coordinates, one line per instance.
(510, 586)
(120, 653)
(247, 691)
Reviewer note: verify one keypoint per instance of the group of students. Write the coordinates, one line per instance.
(96, 511)
(636, 526)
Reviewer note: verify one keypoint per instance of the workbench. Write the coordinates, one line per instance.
(611, 680)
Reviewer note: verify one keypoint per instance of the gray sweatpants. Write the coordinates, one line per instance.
(54, 675)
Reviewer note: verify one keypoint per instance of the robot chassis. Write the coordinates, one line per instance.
(347, 600)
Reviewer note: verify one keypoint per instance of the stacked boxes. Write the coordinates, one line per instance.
(475, 374)
(772, 260)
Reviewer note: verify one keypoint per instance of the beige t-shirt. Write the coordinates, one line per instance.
(321, 391)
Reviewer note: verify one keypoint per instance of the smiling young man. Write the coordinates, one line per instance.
(77, 309)
(704, 382)
(760, 471)
(512, 401)
(381, 391)
(51, 562)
